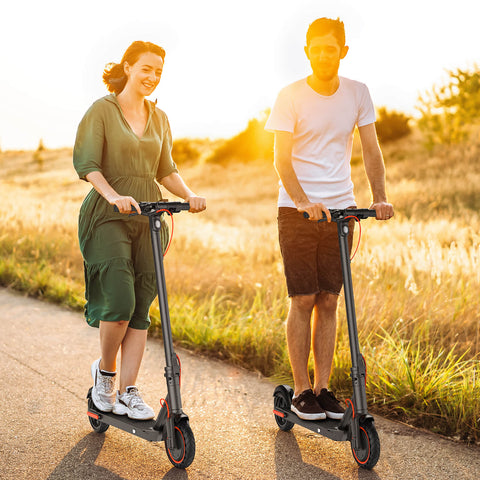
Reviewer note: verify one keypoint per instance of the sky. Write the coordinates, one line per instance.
(225, 61)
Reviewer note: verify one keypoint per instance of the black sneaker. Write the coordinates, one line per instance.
(306, 407)
(330, 404)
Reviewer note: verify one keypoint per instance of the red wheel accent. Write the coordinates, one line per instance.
(278, 414)
(184, 448)
(93, 415)
(368, 456)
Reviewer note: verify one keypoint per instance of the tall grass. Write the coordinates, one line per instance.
(416, 278)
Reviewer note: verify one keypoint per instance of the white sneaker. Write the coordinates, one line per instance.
(103, 395)
(130, 403)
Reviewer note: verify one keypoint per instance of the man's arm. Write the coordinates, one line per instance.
(375, 169)
(284, 168)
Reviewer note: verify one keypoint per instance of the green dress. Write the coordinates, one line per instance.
(119, 273)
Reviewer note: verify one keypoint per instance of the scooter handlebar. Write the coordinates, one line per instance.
(151, 208)
(341, 214)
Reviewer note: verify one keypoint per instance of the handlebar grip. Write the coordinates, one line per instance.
(323, 219)
(340, 214)
(150, 208)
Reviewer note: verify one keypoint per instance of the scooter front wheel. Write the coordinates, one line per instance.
(282, 399)
(368, 453)
(183, 456)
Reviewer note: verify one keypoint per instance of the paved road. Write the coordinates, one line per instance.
(45, 356)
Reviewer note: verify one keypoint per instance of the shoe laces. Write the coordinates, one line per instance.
(134, 398)
(107, 382)
(332, 396)
(306, 394)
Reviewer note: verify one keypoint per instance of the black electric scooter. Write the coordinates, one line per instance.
(171, 424)
(356, 426)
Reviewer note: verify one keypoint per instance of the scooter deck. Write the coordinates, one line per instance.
(329, 428)
(141, 428)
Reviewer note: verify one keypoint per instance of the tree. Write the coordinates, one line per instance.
(448, 111)
(38, 155)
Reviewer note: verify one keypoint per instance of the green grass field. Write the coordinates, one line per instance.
(416, 278)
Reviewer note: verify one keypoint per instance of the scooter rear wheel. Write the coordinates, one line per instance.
(97, 425)
(369, 452)
(182, 457)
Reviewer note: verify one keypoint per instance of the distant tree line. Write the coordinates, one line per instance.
(448, 114)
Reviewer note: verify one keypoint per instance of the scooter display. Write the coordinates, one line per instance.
(172, 424)
(357, 425)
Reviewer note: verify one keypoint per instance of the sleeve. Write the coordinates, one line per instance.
(166, 165)
(282, 117)
(366, 110)
(88, 149)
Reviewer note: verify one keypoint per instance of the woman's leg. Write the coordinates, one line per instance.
(133, 347)
(112, 335)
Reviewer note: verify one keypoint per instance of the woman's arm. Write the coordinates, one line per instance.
(174, 183)
(100, 184)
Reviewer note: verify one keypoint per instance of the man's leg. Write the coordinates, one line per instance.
(299, 339)
(324, 337)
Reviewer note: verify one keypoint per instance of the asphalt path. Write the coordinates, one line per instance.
(45, 357)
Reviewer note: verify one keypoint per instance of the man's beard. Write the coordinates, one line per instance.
(325, 73)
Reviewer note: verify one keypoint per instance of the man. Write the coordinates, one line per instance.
(313, 120)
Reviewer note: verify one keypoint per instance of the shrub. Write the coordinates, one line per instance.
(391, 125)
(183, 151)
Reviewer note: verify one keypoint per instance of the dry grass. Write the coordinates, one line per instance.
(416, 278)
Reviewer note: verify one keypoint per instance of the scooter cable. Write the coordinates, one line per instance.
(166, 404)
(173, 225)
(359, 234)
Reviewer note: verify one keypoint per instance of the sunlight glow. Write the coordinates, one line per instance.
(225, 61)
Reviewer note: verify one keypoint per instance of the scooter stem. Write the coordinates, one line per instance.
(172, 369)
(358, 366)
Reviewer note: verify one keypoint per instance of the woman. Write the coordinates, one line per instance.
(123, 145)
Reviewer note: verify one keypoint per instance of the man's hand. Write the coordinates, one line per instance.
(315, 211)
(384, 210)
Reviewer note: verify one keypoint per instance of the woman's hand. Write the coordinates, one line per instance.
(197, 204)
(124, 204)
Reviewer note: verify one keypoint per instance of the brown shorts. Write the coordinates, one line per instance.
(311, 255)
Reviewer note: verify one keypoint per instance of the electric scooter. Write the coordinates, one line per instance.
(356, 426)
(171, 425)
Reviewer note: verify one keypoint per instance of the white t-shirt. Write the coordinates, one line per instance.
(322, 128)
